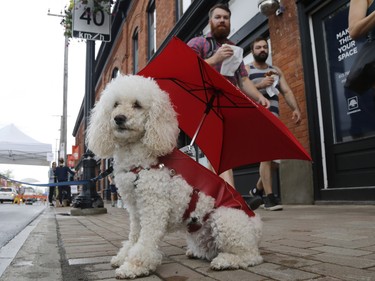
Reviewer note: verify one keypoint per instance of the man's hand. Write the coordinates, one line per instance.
(222, 53)
(266, 82)
(296, 116)
(264, 101)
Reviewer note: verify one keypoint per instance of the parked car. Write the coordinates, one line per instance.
(29, 195)
(7, 194)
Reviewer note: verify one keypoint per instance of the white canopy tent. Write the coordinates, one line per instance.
(18, 148)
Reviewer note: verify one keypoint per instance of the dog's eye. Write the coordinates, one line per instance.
(116, 104)
(137, 105)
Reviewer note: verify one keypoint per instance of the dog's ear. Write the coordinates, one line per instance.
(162, 125)
(99, 138)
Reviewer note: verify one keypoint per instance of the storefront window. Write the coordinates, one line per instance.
(182, 6)
(353, 115)
(151, 29)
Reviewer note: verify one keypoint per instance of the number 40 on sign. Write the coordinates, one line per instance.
(91, 23)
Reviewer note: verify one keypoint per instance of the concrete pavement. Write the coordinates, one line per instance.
(317, 242)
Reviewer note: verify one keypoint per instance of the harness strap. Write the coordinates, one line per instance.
(194, 226)
(192, 204)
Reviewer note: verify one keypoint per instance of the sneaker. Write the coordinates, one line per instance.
(255, 192)
(254, 202)
(271, 203)
(51, 204)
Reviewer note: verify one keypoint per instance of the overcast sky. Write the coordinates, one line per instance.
(32, 61)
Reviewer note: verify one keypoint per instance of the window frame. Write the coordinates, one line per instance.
(135, 45)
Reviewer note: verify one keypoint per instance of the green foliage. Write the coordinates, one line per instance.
(7, 173)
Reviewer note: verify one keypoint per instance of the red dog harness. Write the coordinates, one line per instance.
(203, 180)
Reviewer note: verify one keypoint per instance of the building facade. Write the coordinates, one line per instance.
(309, 42)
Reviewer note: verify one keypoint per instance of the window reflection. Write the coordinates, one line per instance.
(353, 116)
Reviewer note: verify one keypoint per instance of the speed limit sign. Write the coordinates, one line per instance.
(91, 23)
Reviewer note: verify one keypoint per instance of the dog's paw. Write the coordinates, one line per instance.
(222, 266)
(254, 260)
(122, 255)
(225, 261)
(129, 271)
(190, 254)
(231, 261)
(116, 262)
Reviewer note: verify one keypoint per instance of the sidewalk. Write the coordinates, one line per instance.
(320, 243)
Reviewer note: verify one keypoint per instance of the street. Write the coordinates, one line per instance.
(14, 218)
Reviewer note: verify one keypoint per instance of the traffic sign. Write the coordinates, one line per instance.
(91, 23)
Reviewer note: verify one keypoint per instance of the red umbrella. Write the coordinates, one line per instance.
(229, 127)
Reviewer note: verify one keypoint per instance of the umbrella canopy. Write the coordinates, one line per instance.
(229, 127)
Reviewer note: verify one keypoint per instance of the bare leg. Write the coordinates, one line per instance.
(227, 175)
(113, 199)
(265, 180)
(270, 201)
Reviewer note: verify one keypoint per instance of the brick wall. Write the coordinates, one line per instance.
(286, 54)
(137, 19)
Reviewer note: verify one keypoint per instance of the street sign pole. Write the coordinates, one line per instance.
(88, 197)
(91, 25)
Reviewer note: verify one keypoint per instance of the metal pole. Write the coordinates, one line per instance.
(63, 137)
(63, 126)
(89, 198)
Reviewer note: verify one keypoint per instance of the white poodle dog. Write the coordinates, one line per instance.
(135, 123)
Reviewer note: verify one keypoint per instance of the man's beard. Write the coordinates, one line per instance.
(220, 32)
(261, 57)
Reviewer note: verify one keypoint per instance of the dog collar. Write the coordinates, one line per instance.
(160, 166)
(136, 170)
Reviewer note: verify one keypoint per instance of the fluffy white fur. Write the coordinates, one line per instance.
(135, 123)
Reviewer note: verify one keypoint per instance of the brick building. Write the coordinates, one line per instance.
(302, 36)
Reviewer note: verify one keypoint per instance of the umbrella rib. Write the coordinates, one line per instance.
(200, 64)
(197, 88)
(217, 92)
(182, 85)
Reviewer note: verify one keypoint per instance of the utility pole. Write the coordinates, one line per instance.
(64, 117)
(64, 121)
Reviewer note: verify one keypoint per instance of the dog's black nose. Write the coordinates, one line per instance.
(120, 119)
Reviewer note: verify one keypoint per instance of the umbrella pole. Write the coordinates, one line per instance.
(190, 149)
(208, 109)
(198, 129)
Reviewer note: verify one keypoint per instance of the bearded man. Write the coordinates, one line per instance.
(270, 81)
(214, 48)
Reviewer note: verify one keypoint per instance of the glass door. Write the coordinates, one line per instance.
(348, 118)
